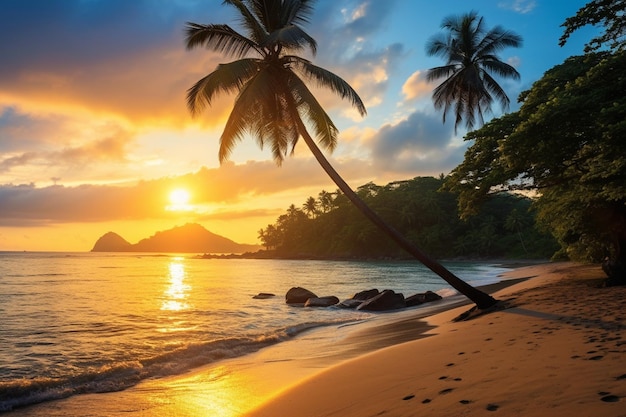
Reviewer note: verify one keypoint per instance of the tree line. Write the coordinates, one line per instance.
(330, 227)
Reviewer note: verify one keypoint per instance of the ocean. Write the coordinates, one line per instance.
(75, 323)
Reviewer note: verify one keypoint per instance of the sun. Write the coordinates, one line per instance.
(179, 196)
(179, 200)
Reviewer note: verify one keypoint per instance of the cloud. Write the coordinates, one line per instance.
(419, 145)
(26, 204)
(115, 57)
(57, 145)
(364, 65)
(416, 86)
(519, 6)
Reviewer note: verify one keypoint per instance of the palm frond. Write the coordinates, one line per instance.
(436, 73)
(493, 64)
(329, 80)
(497, 39)
(298, 11)
(497, 91)
(291, 37)
(219, 38)
(227, 78)
(325, 130)
(244, 116)
(255, 28)
(438, 45)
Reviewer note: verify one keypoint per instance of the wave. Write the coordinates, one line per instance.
(121, 375)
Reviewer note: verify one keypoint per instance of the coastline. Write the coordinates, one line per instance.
(299, 375)
(556, 350)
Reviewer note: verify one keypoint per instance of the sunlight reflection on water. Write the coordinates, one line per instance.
(177, 291)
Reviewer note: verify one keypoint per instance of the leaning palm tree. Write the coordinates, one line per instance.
(273, 102)
(470, 51)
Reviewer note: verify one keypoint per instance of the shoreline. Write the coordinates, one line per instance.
(234, 386)
(557, 349)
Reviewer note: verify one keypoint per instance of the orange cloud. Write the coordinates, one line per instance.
(416, 86)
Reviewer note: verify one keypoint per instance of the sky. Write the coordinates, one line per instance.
(95, 135)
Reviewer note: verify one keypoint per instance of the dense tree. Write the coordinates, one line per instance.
(567, 144)
(470, 52)
(273, 102)
(325, 201)
(504, 227)
(610, 14)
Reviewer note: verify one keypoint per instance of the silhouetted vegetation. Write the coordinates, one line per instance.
(330, 227)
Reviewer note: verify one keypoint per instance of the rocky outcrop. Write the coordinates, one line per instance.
(422, 298)
(368, 300)
(327, 301)
(264, 296)
(366, 295)
(298, 295)
(386, 300)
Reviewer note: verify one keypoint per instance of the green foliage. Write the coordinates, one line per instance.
(607, 13)
(504, 228)
(567, 144)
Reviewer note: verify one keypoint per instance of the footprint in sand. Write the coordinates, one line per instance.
(610, 398)
(408, 397)
(492, 407)
(446, 391)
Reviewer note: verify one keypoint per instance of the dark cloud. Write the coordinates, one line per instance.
(421, 145)
(420, 132)
(69, 33)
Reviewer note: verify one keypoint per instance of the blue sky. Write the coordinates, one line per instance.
(94, 132)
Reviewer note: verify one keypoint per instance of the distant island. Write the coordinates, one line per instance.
(190, 238)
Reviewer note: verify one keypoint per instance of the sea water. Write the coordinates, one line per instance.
(73, 323)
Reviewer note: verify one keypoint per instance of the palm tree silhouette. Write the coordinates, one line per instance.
(310, 207)
(470, 51)
(273, 102)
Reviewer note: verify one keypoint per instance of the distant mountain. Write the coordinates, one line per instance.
(112, 242)
(190, 238)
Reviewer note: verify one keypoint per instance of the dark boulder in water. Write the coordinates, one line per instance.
(264, 295)
(422, 298)
(298, 295)
(366, 295)
(386, 300)
(327, 301)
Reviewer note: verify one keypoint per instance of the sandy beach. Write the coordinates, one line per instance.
(556, 350)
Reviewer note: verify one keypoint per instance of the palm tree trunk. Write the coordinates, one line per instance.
(482, 300)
